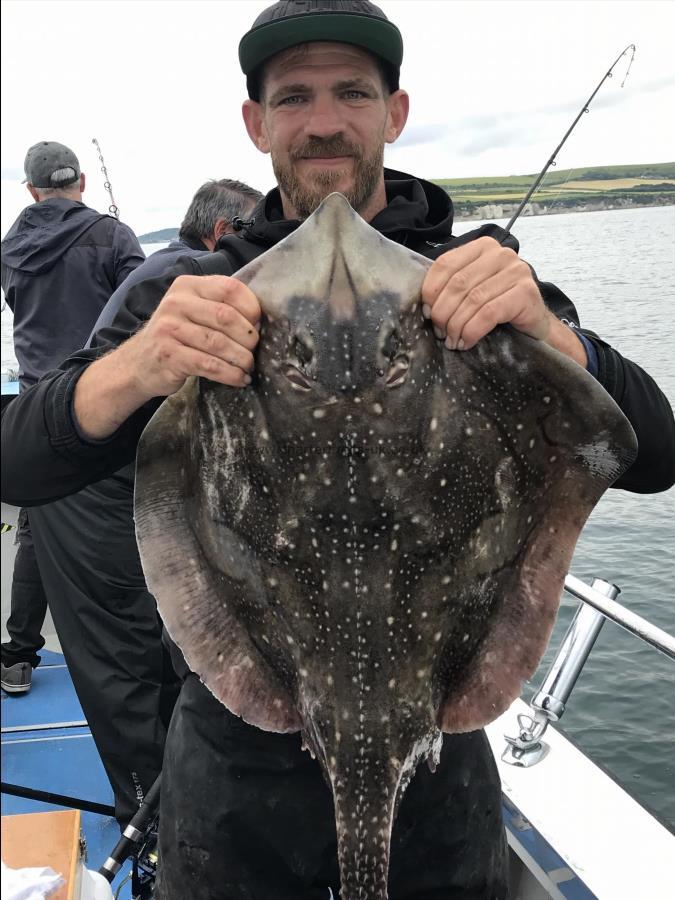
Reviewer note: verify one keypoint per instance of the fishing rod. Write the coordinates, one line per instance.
(17, 790)
(584, 109)
(113, 209)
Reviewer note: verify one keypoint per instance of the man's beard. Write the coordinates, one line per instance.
(306, 197)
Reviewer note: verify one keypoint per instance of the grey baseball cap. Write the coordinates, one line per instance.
(291, 22)
(49, 164)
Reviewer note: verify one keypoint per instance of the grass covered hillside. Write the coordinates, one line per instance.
(597, 187)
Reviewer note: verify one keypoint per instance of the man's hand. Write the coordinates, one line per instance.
(470, 290)
(205, 325)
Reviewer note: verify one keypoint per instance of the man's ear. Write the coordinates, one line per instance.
(255, 124)
(397, 116)
(82, 182)
(34, 194)
(221, 227)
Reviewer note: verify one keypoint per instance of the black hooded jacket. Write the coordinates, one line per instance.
(61, 261)
(45, 457)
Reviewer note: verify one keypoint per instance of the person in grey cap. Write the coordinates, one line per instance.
(61, 261)
(86, 547)
(245, 814)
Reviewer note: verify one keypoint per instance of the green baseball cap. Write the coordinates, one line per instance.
(292, 22)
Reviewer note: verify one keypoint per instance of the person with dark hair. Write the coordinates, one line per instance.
(216, 209)
(245, 813)
(61, 261)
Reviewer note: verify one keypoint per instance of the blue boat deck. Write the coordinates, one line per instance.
(47, 746)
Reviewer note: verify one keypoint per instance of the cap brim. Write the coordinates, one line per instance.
(378, 36)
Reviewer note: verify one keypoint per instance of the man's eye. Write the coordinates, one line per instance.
(291, 101)
(354, 95)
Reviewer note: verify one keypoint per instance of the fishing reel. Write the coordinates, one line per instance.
(138, 841)
(144, 864)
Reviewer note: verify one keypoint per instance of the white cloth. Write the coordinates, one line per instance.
(94, 886)
(28, 884)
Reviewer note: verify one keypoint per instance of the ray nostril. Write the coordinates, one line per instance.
(297, 378)
(303, 352)
(397, 371)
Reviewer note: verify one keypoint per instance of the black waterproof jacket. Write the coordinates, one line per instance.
(156, 264)
(61, 261)
(44, 456)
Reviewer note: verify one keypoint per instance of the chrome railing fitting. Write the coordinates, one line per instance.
(548, 704)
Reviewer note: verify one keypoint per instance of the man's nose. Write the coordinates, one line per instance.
(326, 118)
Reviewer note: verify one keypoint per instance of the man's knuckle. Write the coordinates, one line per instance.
(210, 340)
(522, 268)
(164, 328)
(225, 315)
(230, 287)
(169, 304)
(211, 365)
(440, 271)
(460, 281)
(477, 296)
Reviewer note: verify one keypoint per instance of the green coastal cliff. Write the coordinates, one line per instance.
(568, 190)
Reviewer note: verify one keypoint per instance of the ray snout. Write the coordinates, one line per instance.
(311, 264)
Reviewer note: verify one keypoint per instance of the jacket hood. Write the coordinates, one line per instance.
(44, 231)
(187, 243)
(416, 211)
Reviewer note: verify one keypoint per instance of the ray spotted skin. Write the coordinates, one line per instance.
(368, 544)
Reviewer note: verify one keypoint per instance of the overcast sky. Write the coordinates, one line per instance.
(493, 85)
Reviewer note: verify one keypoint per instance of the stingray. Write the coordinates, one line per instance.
(368, 544)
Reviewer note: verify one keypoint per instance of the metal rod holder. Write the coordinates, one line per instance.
(559, 682)
(548, 704)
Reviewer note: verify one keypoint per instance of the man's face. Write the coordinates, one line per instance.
(324, 117)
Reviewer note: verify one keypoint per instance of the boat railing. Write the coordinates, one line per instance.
(598, 603)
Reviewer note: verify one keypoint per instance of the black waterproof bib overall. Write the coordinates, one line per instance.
(246, 815)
